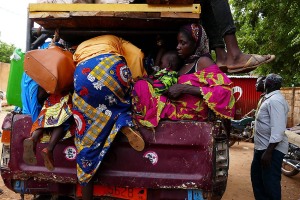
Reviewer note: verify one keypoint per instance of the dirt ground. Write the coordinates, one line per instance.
(238, 185)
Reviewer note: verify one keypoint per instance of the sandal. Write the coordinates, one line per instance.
(29, 151)
(48, 159)
(134, 138)
(253, 62)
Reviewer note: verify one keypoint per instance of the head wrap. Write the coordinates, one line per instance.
(273, 81)
(198, 34)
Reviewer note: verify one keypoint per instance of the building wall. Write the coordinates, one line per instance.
(4, 73)
(292, 95)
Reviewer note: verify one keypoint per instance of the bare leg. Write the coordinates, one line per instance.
(221, 59)
(47, 153)
(235, 57)
(87, 191)
(36, 135)
(221, 56)
(57, 134)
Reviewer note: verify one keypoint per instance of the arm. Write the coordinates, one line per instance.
(178, 89)
(278, 126)
(42, 95)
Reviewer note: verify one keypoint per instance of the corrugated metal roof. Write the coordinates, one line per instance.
(246, 76)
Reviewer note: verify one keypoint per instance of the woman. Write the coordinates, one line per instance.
(201, 86)
(102, 101)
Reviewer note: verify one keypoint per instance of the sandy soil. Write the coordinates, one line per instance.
(238, 185)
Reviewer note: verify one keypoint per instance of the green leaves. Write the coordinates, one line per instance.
(6, 51)
(271, 27)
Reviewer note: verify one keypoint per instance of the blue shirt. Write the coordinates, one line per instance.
(271, 121)
(29, 94)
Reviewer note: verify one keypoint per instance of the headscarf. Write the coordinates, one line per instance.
(198, 34)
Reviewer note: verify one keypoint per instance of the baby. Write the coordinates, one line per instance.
(166, 73)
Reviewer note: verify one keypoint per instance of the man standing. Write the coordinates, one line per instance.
(270, 141)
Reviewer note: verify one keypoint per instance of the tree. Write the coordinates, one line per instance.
(271, 27)
(6, 51)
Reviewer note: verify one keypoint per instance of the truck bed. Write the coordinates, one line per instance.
(177, 155)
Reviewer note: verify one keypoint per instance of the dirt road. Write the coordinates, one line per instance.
(239, 183)
(238, 186)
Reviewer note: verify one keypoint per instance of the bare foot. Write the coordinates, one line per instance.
(48, 159)
(29, 151)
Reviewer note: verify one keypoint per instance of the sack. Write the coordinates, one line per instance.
(51, 68)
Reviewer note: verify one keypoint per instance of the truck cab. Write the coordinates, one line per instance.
(181, 159)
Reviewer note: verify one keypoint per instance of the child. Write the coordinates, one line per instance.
(55, 116)
(165, 74)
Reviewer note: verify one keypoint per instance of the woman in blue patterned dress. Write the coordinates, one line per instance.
(102, 102)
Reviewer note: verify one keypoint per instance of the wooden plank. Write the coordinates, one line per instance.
(180, 15)
(92, 13)
(193, 8)
(33, 15)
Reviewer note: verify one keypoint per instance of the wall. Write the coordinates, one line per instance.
(247, 95)
(4, 73)
(292, 94)
(249, 98)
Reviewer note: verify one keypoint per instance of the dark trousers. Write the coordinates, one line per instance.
(266, 182)
(217, 21)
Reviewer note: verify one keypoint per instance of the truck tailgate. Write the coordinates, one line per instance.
(176, 155)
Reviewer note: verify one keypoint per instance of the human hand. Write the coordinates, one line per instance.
(174, 91)
(266, 159)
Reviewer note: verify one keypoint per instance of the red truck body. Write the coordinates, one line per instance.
(181, 160)
(179, 157)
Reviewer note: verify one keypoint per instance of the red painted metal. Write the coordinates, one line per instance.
(178, 156)
(248, 97)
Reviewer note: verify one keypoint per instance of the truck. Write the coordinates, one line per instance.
(181, 159)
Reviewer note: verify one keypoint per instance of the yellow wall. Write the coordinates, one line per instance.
(4, 73)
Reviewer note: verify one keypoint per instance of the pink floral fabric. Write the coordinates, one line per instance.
(149, 108)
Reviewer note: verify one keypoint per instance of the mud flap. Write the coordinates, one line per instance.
(195, 195)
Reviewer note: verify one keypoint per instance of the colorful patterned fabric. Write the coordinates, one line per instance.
(56, 111)
(102, 106)
(112, 44)
(215, 87)
(163, 79)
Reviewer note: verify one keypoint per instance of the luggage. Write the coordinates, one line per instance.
(51, 68)
(13, 91)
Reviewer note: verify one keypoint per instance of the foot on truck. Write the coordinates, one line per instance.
(48, 159)
(29, 151)
(134, 138)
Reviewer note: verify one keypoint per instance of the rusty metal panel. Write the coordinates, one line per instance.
(178, 155)
(246, 95)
